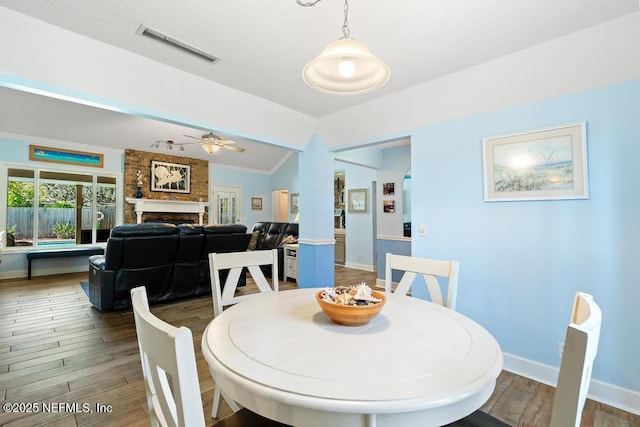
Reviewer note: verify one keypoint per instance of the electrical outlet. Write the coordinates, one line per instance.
(560, 349)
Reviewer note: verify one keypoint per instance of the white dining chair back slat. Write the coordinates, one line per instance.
(429, 270)
(235, 262)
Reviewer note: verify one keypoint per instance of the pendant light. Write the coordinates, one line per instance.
(346, 66)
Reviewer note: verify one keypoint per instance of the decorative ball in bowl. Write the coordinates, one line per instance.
(352, 314)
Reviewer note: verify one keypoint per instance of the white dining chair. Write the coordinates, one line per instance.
(236, 262)
(580, 349)
(225, 295)
(171, 375)
(574, 377)
(430, 269)
(167, 356)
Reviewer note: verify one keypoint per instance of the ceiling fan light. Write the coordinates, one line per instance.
(210, 147)
(346, 67)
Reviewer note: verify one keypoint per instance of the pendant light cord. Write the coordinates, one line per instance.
(307, 4)
(345, 26)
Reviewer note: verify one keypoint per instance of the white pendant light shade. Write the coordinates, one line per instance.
(346, 67)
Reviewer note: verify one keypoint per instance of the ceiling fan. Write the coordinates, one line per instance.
(210, 143)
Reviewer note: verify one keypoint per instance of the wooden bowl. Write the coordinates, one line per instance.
(351, 315)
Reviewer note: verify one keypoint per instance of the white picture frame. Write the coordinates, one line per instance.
(170, 177)
(543, 164)
(357, 200)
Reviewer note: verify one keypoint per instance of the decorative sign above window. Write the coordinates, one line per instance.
(71, 157)
(170, 177)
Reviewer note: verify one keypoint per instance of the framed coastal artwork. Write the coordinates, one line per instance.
(256, 203)
(357, 200)
(295, 202)
(544, 164)
(170, 177)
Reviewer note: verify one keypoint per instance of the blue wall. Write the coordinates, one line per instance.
(521, 262)
(286, 177)
(252, 184)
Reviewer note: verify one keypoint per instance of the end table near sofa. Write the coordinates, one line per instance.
(291, 261)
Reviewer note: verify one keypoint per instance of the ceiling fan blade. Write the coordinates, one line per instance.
(187, 143)
(232, 148)
(189, 136)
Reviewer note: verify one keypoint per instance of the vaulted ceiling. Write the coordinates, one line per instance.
(262, 47)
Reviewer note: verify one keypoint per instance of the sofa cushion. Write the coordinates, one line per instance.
(186, 269)
(254, 241)
(261, 227)
(273, 237)
(224, 228)
(146, 229)
(291, 230)
(289, 240)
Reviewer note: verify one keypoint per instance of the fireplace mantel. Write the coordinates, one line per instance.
(168, 206)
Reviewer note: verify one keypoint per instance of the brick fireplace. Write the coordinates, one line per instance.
(135, 160)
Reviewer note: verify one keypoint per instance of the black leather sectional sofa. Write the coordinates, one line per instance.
(171, 261)
(270, 236)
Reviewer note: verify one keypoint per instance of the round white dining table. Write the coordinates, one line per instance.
(415, 364)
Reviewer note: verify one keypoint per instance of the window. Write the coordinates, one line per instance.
(53, 207)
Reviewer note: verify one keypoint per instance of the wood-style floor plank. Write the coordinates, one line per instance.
(55, 347)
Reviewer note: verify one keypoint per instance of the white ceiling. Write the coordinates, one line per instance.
(263, 46)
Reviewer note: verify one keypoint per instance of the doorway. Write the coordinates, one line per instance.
(227, 206)
(280, 205)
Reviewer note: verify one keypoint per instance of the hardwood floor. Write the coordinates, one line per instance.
(57, 350)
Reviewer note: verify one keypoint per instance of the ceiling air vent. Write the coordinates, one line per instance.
(154, 34)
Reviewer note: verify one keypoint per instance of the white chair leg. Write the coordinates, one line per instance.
(216, 402)
(235, 407)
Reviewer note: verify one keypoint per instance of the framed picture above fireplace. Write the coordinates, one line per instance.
(170, 177)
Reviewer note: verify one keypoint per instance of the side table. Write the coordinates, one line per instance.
(291, 261)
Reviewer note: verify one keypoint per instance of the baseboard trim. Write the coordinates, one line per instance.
(609, 394)
(364, 267)
(317, 242)
(22, 274)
